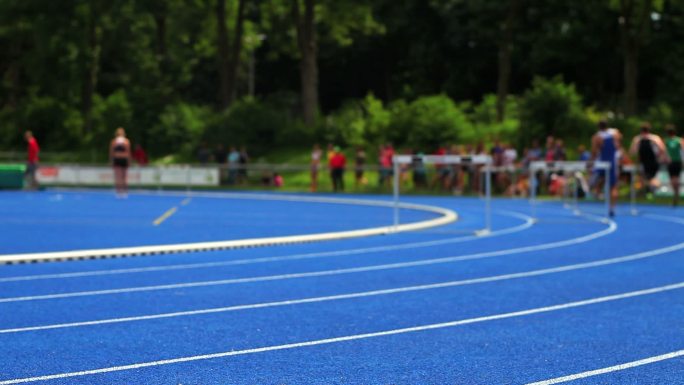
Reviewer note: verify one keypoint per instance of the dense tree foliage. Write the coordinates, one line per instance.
(268, 73)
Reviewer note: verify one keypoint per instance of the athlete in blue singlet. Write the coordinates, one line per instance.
(605, 145)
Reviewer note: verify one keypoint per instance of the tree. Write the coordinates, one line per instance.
(229, 52)
(635, 22)
(306, 42)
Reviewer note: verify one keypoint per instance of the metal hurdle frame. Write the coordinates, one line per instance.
(568, 167)
(481, 160)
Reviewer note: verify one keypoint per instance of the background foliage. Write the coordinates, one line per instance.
(416, 73)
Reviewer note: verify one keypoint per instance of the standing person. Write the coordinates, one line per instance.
(32, 151)
(674, 145)
(604, 146)
(337, 163)
(559, 151)
(584, 154)
(359, 164)
(242, 171)
(140, 156)
(120, 157)
(316, 155)
(650, 148)
(386, 165)
(233, 164)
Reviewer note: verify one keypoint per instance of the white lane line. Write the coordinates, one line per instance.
(165, 216)
(529, 222)
(446, 216)
(186, 201)
(521, 313)
(628, 365)
(464, 282)
(611, 228)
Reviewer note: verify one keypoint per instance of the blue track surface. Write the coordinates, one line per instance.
(376, 310)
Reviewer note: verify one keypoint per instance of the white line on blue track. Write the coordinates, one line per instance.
(612, 227)
(464, 282)
(610, 369)
(529, 222)
(521, 313)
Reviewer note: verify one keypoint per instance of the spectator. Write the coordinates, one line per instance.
(337, 163)
(233, 165)
(359, 164)
(534, 154)
(140, 156)
(386, 155)
(419, 171)
(584, 154)
(316, 155)
(220, 154)
(278, 180)
(559, 151)
(203, 154)
(32, 160)
(550, 153)
(330, 152)
(242, 170)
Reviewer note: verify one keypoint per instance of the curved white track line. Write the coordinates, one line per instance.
(529, 222)
(615, 368)
(489, 254)
(447, 216)
(355, 337)
(441, 285)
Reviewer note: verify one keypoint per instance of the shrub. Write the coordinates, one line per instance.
(428, 122)
(358, 122)
(552, 107)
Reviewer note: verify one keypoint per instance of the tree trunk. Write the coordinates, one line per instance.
(634, 25)
(631, 74)
(235, 53)
(229, 54)
(13, 75)
(223, 54)
(308, 67)
(160, 24)
(91, 68)
(505, 48)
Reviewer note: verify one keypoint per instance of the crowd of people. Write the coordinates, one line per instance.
(510, 168)
(510, 173)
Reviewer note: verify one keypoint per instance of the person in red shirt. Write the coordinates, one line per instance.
(140, 156)
(32, 160)
(337, 163)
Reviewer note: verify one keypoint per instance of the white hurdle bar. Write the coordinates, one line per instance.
(570, 167)
(447, 160)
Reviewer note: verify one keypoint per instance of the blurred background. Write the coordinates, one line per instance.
(191, 79)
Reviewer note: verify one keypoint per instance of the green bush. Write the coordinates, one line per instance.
(358, 122)
(486, 127)
(428, 122)
(552, 107)
(257, 125)
(57, 125)
(180, 129)
(108, 114)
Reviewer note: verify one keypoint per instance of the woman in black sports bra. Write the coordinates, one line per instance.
(120, 157)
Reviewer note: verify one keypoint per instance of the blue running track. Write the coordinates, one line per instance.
(565, 299)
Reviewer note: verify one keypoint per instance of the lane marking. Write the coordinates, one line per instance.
(446, 216)
(165, 216)
(321, 273)
(464, 282)
(529, 222)
(610, 369)
(186, 201)
(354, 337)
